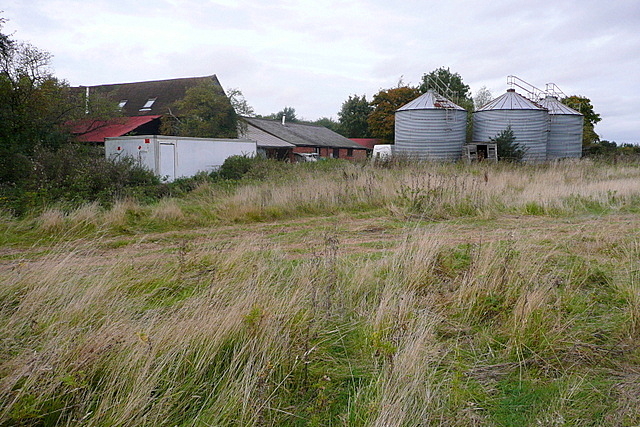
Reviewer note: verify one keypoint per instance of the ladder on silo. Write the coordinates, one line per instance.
(531, 92)
(553, 90)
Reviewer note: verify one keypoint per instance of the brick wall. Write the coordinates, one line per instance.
(343, 153)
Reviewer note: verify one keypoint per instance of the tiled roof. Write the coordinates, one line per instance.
(137, 94)
(304, 135)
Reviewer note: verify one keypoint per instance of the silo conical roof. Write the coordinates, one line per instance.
(429, 101)
(511, 101)
(554, 106)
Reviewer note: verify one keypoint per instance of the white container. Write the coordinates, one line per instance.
(172, 157)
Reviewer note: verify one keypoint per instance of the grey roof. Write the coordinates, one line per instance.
(429, 101)
(511, 101)
(165, 92)
(305, 135)
(263, 139)
(556, 107)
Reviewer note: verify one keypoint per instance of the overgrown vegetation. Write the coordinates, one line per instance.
(332, 294)
(72, 176)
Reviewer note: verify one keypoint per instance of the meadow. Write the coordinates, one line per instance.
(332, 294)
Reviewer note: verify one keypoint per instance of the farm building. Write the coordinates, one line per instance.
(367, 142)
(143, 104)
(284, 140)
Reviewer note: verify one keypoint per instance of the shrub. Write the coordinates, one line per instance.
(235, 167)
(73, 176)
(508, 149)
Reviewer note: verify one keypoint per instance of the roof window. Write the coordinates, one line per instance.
(149, 103)
(122, 103)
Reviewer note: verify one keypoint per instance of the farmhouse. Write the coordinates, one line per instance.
(285, 140)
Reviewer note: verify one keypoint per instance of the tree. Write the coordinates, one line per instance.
(36, 113)
(327, 122)
(442, 79)
(35, 106)
(507, 147)
(381, 120)
(584, 107)
(482, 98)
(353, 117)
(239, 103)
(5, 41)
(204, 112)
(289, 114)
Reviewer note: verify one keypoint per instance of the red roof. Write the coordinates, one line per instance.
(366, 142)
(98, 130)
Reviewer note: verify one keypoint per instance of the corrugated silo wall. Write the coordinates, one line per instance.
(430, 134)
(565, 136)
(530, 128)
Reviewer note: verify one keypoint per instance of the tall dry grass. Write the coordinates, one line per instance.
(505, 328)
(434, 191)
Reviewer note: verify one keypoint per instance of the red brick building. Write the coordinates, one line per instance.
(283, 140)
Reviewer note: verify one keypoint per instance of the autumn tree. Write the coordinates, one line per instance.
(591, 118)
(381, 121)
(353, 117)
(205, 112)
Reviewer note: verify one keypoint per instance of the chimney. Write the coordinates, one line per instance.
(283, 119)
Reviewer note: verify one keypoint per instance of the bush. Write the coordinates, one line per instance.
(508, 149)
(72, 176)
(236, 167)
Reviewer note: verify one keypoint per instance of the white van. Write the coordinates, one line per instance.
(382, 152)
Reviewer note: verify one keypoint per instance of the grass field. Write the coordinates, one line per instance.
(333, 294)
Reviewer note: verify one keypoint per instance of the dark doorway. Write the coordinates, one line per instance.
(483, 151)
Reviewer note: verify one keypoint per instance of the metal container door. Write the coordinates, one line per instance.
(167, 161)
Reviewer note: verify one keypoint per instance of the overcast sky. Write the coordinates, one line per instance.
(311, 55)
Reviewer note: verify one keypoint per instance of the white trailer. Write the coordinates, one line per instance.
(172, 157)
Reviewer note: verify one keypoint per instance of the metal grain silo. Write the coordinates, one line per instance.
(529, 122)
(565, 130)
(430, 128)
